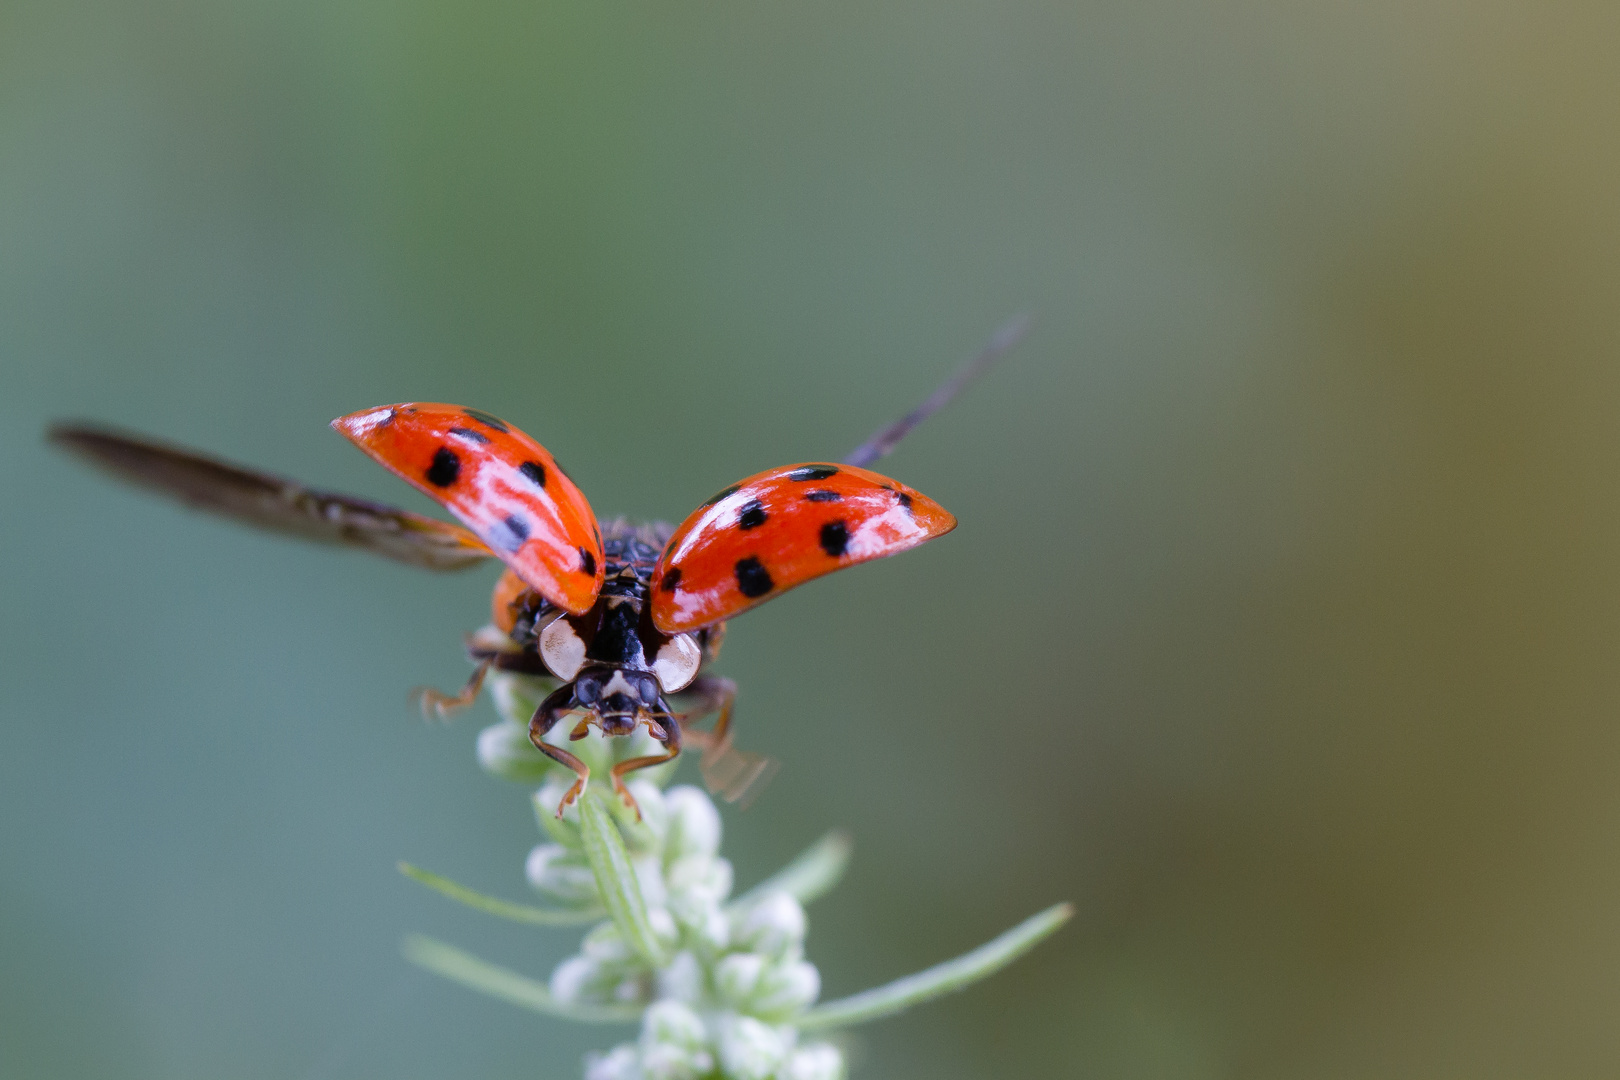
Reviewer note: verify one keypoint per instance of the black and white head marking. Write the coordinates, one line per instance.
(677, 662)
(562, 649)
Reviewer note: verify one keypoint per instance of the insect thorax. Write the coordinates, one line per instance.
(620, 625)
(617, 632)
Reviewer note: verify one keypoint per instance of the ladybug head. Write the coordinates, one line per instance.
(616, 696)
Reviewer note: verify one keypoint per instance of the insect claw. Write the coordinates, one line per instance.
(570, 796)
(440, 706)
(435, 705)
(628, 799)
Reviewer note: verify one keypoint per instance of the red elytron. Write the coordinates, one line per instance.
(780, 529)
(500, 483)
(622, 618)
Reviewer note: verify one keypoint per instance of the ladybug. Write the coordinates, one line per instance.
(624, 617)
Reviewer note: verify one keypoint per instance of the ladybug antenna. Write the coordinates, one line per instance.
(887, 438)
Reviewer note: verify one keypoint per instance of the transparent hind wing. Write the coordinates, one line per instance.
(271, 502)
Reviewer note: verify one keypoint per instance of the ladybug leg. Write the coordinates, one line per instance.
(554, 708)
(672, 744)
(435, 705)
(522, 663)
(735, 775)
(703, 697)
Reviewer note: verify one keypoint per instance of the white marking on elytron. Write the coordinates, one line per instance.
(677, 662)
(562, 649)
(501, 535)
(364, 424)
(619, 685)
(888, 533)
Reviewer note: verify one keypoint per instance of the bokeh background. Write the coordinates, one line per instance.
(1280, 632)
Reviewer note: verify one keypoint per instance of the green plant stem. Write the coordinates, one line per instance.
(939, 979)
(506, 909)
(616, 877)
(808, 877)
(481, 975)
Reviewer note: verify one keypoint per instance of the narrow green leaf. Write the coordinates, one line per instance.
(616, 878)
(810, 876)
(939, 979)
(506, 909)
(487, 978)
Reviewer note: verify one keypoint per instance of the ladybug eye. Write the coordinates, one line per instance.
(648, 688)
(587, 691)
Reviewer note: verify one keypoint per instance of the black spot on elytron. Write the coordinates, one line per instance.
(752, 515)
(834, 538)
(587, 563)
(518, 527)
(672, 579)
(717, 496)
(905, 504)
(487, 420)
(534, 471)
(753, 579)
(469, 434)
(445, 468)
(822, 495)
(812, 472)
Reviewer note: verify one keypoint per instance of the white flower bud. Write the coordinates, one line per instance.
(662, 924)
(573, 980)
(561, 875)
(631, 989)
(605, 945)
(674, 1023)
(785, 989)
(774, 926)
(515, 699)
(663, 1062)
(703, 880)
(694, 824)
(682, 980)
(654, 824)
(674, 1044)
(620, 1063)
(815, 1061)
(650, 878)
(708, 927)
(750, 1050)
(736, 978)
(505, 750)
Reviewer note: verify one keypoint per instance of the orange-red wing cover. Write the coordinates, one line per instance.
(500, 483)
(779, 529)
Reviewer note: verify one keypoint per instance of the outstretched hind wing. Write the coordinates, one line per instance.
(886, 438)
(271, 502)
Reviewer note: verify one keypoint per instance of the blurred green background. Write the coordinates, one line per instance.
(1280, 631)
